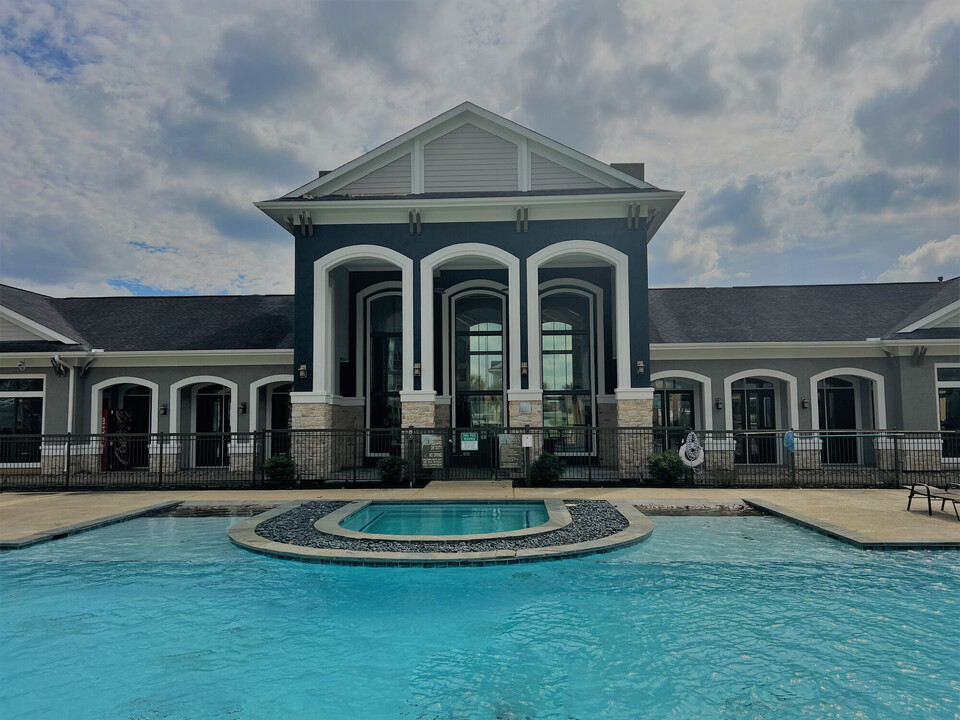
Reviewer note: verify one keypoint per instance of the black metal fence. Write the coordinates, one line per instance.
(590, 456)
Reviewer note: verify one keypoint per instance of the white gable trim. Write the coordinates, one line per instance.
(41, 330)
(933, 318)
(450, 120)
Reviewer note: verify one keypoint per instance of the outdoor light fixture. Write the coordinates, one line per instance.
(303, 372)
(524, 368)
(640, 368)
(719, 403)
(804, 403)
(416, 369)
(163, 408)
(243, 408)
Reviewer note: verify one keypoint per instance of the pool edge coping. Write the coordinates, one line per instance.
(851, 537)
(243, 535)
(67, 530)
(558, 517)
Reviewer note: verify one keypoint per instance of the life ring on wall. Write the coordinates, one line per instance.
(691, 453)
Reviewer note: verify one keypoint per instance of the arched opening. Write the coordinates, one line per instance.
(837, 399)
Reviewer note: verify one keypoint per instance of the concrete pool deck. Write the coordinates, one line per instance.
(866, 518)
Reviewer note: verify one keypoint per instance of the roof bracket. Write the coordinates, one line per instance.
(635, 211)
(919, 355)
(415, 224)
(306, 223)
(523, 219)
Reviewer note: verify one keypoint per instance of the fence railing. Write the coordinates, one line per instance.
(344, 457)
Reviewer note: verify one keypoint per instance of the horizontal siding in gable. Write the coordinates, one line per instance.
(10, 332)
(470, 159)
(548, 175)
(392, 179)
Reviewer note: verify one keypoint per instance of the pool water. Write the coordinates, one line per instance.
(729, 617)
(445, 518)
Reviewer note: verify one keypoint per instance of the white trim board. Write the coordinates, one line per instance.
(706, 390)
(879, 396)
(96, 400)
(792, 396)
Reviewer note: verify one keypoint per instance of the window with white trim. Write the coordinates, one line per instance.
(948, 404)
(21, 414)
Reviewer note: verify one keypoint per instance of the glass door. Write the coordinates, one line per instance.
(838, 411)
(385, 373)
(754, 408)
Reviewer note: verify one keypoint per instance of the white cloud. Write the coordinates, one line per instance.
(932, 259)
(160, 123)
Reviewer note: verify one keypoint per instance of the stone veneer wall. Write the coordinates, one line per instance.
(518, 418)
(442, 416)
(419, 413)
(633, 448)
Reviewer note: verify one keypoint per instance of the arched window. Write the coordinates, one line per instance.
(478, 361)
(567, 362)
(385, 360)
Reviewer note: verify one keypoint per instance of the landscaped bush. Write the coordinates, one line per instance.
(666, 467)
(546, 469)
(280, 470)
(392, 469)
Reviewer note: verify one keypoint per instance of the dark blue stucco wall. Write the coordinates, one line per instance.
(434, 236)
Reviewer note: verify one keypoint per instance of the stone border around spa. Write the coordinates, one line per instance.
(243, 534)
(559, 517)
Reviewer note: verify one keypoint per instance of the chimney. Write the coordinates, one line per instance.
(631, 169)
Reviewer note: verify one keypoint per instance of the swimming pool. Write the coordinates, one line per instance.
(446, 518)
(734, 617)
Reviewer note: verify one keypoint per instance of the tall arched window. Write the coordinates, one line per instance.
(385, 358)
(566, 360)
(478, 361)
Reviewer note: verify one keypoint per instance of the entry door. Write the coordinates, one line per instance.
(755, 409)
(212, 417)
(676, 414)
(838, 411)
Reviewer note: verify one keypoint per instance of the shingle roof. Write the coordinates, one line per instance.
(214, 322)
(796, 313)
(801, 313)
(39, 308)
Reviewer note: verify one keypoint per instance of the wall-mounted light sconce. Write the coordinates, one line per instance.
(243, 408)
(524, 368)
(303, 372)
(640, 367)
(718, 402)
(416, 369)
(804, 403)
(163, 408)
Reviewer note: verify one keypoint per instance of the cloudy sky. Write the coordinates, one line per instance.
(816, 141)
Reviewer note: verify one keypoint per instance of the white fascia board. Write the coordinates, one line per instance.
(469, 109)
(170, 358)
(872, 348)
(475, 209)
(932, 319)
(33, 326)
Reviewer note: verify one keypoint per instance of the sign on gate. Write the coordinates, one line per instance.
(510, 455)
(469, 441)
(431, 451)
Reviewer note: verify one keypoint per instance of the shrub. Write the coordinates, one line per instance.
(392, 469)
(546, 469)
(666, 467)
(280, 470)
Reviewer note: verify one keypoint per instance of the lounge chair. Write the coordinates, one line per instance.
(931, 493)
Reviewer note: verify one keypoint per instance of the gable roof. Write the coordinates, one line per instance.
(795, 313)
(463, 114)
(39, 314)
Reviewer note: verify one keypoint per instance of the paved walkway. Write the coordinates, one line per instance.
(867, 518)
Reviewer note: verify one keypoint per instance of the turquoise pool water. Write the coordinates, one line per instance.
(730, 617)
(446, 518)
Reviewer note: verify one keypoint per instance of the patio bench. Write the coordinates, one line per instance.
(931, 493)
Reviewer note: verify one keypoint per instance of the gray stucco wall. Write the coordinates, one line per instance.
(242, 375)
(917, 412)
